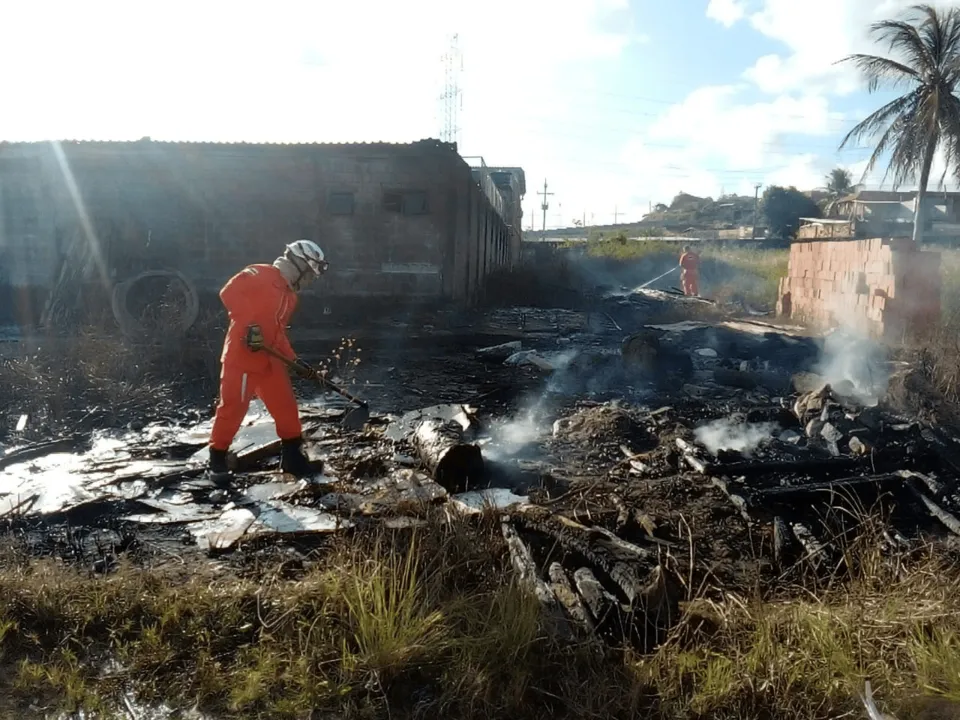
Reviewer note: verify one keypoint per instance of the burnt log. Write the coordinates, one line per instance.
(453, 463)
(816, 550)
(946, 448)
(948, 519)
(739, 502)
(598, 602)
(623, 513)
(812, 465)
(568, 598)
(692, 456)
(837, 485)
(522, 561)
(625, 564)
(782, 542)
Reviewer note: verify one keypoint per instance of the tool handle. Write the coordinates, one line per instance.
(316, 376)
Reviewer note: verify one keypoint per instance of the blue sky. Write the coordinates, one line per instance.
(618, 103)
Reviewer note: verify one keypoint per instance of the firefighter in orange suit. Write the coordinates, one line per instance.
(690, 272)
(260, 300)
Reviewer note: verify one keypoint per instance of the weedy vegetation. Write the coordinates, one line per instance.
(750, 275)
(432, 623)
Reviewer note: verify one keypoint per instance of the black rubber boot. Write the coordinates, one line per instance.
(218, 464)
(292, 459)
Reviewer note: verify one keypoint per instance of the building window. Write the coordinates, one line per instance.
(408, 202)
(340, 203)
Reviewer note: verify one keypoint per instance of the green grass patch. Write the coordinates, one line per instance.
(400, 625)
(732, 273)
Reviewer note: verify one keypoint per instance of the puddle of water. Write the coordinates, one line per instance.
(57, 480)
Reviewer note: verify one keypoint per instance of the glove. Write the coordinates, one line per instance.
(302, 369)
(254, 337)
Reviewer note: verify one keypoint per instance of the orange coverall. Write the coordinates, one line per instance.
(690, 273)
(257, 295)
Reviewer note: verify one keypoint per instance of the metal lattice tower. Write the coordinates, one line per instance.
(452, 98)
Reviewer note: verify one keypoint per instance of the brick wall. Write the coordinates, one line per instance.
(886, 287)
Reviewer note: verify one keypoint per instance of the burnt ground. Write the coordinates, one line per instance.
(650, 449)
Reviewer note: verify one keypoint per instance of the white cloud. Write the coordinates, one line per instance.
(726, 12)
(713, 141)
(306, 70)
(817, 33)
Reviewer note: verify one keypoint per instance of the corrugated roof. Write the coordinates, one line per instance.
(429, 142)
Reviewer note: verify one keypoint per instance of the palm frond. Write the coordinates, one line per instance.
(950, 135)
(883, 72)
(874, 123)
(940, 33)
(908, 151)
(904, 38)
(951, 73)
(908, 130)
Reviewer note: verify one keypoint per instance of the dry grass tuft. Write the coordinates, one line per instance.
(433, 624)
(96, 376)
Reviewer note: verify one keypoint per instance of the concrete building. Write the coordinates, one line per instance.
(877, 213)
(398, 221)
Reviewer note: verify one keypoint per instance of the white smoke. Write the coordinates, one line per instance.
(725, 434)
(510, 437)
(854, 364)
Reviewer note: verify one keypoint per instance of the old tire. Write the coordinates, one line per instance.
(131, 326)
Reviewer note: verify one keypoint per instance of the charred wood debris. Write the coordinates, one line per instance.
(645, 469)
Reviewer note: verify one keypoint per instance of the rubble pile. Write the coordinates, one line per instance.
(652, 461)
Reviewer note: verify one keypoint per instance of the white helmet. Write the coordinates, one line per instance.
(309, 252)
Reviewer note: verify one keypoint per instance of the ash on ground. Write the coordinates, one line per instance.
(616, 450)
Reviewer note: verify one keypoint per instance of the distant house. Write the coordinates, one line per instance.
(878, 213)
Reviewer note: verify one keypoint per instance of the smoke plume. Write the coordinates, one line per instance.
(724, 434)
(854, 364)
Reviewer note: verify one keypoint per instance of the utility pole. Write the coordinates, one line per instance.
(452, 97)
(616, 214)
(756, 208)
(544, 205)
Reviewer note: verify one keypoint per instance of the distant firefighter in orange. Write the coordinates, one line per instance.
(690, 272)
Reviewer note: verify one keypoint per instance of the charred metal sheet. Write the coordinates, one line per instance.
(224, 531)
(476, 501)
(280, 517)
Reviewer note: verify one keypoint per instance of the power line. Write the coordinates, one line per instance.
(836, 122)
(732, 105)
(599, 130)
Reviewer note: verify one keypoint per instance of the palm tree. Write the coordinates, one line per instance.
(927, 116)
(839, 185)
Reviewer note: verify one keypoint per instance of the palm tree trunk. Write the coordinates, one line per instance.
(922, 188)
